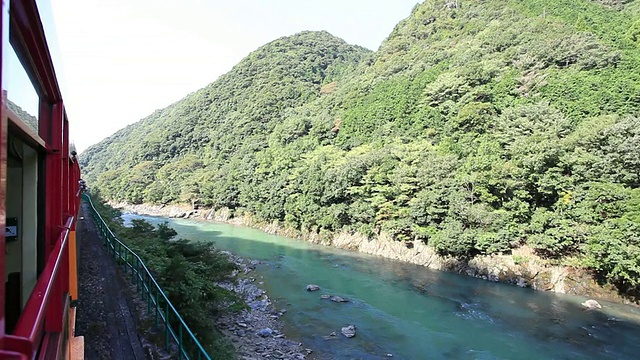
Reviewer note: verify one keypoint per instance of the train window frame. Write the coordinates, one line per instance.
(41, 318)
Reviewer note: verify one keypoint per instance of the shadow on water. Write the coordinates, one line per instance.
(416, 313)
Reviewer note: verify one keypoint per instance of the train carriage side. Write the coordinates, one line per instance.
(39, 198)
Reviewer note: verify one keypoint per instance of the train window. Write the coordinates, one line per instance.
(22, 98)
(21, 206)
(22, 247)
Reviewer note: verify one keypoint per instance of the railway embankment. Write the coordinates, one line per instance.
(106, 315)
(114, 321)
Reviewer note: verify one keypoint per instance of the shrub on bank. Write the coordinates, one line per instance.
(187, 271)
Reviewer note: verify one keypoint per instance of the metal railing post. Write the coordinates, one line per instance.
(157, 311)
(179, 341)
(166, 327)
(148, 297)
(137, 275)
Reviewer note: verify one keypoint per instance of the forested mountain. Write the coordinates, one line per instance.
(218, 131)
(477, 127)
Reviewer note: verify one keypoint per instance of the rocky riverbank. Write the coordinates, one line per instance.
(521, 268)
(257, 333)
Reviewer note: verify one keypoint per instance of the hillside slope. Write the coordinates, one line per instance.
(477, 127)
(229, 118)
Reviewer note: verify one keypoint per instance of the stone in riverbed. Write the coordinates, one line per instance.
(337, 298)
(313, 287)
(591, 304)
(330, 336)
(266, 332)
(260, 305)
(325, 296)
(349, 331)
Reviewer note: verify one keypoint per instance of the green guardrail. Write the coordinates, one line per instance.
(158, 305)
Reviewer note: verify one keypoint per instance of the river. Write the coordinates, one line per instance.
(412, 312)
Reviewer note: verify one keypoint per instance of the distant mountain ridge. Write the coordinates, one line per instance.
(477, 127)
(251, 94)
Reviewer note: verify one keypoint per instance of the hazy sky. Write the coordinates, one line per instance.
(123, 59)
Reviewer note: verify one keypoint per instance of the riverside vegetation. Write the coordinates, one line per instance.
(214, 291)
(477, 127)
(187, 272)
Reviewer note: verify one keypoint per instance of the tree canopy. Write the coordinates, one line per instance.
(477, 127)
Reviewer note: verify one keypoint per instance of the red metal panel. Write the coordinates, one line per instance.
(64, 149)
(52, 133)
(3, 186)
(74, 188)
(45, 309)
(28, 332)
(10, 355)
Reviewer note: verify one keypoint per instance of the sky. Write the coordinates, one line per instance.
(119, 60)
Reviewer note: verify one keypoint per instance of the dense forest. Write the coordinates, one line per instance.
(476, 127)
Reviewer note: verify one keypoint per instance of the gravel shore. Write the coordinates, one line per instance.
(257, 333)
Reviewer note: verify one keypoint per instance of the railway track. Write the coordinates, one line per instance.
(106, 313)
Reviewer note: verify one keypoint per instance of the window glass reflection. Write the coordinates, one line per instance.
(50, 33)
(22, 97)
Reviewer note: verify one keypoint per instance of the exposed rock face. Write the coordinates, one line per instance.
(349, 331)
(526, 272)
(172, 211)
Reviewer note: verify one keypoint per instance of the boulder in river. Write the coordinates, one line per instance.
(337, 298)
(349, 331)
(591, 304)
(313, 287)
(330, 336)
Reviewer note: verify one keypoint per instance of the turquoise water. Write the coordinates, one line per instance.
(416, 313)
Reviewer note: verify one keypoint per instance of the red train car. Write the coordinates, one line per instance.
(39, 196)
